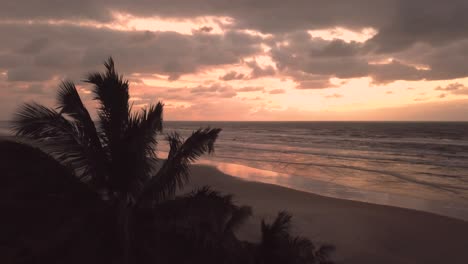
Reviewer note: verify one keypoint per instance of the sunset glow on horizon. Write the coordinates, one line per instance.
(239, 63)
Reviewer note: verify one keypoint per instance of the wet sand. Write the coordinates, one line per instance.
(361, 232)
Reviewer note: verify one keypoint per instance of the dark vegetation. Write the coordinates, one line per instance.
(73, 192)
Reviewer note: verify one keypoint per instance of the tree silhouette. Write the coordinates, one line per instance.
(277, 245)
(107, 197)
(117, 159)
(201, 223)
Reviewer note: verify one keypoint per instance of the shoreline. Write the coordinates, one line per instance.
(450, 209)
(362, 232)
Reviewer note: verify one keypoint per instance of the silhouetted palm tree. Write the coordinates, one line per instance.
(128, 211)
(278, 246)
(117, 159)
(201, 223)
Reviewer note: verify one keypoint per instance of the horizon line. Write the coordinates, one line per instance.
(377, 121)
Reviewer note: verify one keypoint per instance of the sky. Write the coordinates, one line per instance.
(246, 59)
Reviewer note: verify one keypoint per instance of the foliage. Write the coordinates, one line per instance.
(133, 215)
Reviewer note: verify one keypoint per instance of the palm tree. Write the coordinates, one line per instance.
(201, 223)
(128, 211)
(277, 245)
(115, 159)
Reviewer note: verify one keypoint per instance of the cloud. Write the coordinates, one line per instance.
(323, 59)
(258, 72)
(310, 81)
(423, 111)
(335, 95)
(214, 90)
(418, 40)
(400, 25)
(450, 87)
(304, 56)
(250, 89)
(29, 74)
(393, 71)
(420, 99)
(206, 29)
(421, 21)
(267, 16)
(232, 75)
(463, 91)
(277, 91)
(80, 49)
(34, 46)
(454, 88)
(215, 110)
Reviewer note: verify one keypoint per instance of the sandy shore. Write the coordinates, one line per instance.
(363, 233)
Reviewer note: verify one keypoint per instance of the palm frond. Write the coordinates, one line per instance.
(143, 127)
(140, 142)
(301, 248)
(279, 228)
(323, 253)
(174, 172)
(39, 122)
(195, 222)
(69, 103)
(58, 136)
(238, 218)
(203, 215)
(111, 91)
(279, 246)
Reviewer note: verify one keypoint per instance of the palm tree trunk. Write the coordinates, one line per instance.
(125, 230)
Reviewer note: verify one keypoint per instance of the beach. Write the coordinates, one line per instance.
(361, 232)
(414, 165)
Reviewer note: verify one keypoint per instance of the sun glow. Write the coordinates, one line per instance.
(344, 34)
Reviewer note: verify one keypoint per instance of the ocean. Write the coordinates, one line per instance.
(416, 165)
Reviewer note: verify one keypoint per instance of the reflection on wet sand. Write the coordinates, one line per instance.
(248, 173)
(331, 189)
